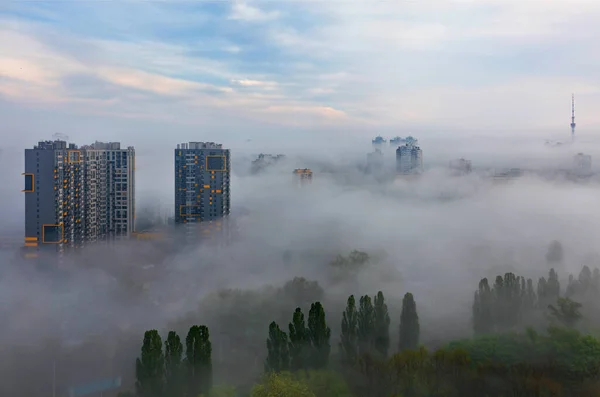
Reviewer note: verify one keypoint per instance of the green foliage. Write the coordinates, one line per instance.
(221, 391)
(149, 368)
(381, 340)
(349, 338)
(318, 334)
(567, 312)
(299, 341)
(573, 356)
(366, 325)
(281, 385)
(199, 360)
(324, 383)
(278, 356)
(409, 324)
(173, 365)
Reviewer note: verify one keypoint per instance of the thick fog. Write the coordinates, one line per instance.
(435, 236)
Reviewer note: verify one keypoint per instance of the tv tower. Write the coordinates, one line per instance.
(572, 117)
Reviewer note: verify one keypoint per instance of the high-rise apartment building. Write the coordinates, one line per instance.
(409, 159)
(202, 182)
(461, 166)
(375, 161)
(582, 164)
(75, 196)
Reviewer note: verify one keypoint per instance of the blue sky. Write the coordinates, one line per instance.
(286, 65)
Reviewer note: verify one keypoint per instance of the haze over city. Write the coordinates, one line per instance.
(487, 81)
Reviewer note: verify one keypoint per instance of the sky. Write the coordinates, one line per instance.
(289, 70)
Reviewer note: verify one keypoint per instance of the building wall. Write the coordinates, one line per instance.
(409, 159)
(88, 191)
(202, 182)
(40, 205)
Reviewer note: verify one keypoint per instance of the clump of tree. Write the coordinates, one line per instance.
(168, 373)
(364, 330)
(511, 302)
(346, 267)
(307, 346)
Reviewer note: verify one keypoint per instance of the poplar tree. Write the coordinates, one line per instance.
(299, 342)
(173, 368)
(318, 334)
(349, 337)
(366, 325)
(149, 368)
(482, 309)
(198, 354)
(409, 324)
(278, 356)
(381, 340)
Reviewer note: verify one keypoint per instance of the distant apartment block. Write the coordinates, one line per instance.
(582, 164)
(202, 182)
(375, 161)
(409, 159)
(78, 195)
(397, 141)
(378, 141)
(302, 176)
(461, 166)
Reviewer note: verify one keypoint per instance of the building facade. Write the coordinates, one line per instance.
(202, 182)
(409, 159)
(582, 164)
(461, 166)
(75, 196)
(375, 161)
(302, 176)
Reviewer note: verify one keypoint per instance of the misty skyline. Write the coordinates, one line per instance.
(277, 69)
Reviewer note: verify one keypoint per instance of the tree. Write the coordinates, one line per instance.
(382, 326)
(567, 311)
(198, 352)
(221, 391)
(324, 383)
(349, 337)
(299, 341)
(281, 385)
(554, 255)
(319, 334)
(278, 356)
(173, 369)
(409, 324)
(302, 291)
(149, 368)
(482, 309)
(553, 285)
(366, 325)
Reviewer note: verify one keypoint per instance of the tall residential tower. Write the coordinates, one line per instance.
(409, 159)
(75, 196)
(202, 181)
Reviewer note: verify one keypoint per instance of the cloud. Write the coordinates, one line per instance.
(243, 11)
(389, 63)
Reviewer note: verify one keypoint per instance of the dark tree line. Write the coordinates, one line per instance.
(306, 346)
(512, 301)
(170, 373)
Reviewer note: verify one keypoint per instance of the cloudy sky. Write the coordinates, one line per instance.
(282, 66)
